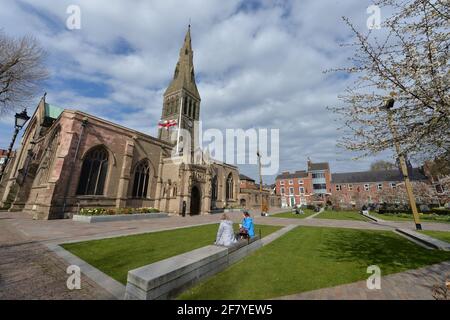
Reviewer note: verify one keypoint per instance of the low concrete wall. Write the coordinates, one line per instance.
(118, 217)
(370, 217)
(425, 239)
(167, 278)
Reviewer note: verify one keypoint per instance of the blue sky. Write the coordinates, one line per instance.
(258, 64)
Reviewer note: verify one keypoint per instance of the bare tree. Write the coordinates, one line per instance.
(411, 62)
(382, 165)
(21, 71)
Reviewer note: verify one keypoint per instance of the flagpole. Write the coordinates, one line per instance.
(179, 125)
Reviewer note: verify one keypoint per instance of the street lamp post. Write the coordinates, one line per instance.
(20, 120)
(260, 180)
(389, 104)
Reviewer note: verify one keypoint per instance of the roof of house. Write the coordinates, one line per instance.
(244, 177)
(296, 174)
(375, 176)
(318, 166)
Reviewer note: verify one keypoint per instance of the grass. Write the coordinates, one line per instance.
(309, 258)
(341, 215)
(116, 256)
(291, 214)
(408, 217)
(441, 235)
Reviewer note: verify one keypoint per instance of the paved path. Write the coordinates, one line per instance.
(410, 285)
(29, 270)
(66, 230)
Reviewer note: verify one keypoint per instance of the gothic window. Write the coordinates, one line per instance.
(214, 188)
(49, 158)
(174, 107)
(185, 105)
(93, 172)
(229, 188)
(174, 194)
(190, 108)
(141, 177)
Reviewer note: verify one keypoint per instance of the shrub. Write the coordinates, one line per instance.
(441, 211)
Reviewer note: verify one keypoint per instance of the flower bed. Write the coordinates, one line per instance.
(115, 211)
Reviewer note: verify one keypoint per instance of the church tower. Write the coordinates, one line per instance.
(181, 101)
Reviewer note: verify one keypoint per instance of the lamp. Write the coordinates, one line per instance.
(21, 119)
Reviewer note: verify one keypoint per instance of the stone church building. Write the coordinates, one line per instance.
(69, 159)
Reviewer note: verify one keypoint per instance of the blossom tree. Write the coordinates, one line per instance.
(409, 59)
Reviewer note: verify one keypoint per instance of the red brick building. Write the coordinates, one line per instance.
(306, 186)
(250, 195)
(353, 189)
(317, 185)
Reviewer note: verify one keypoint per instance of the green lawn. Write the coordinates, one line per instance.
(441, 235)
(409, 217)
(116, 256)
(341, 215)
(309, 258)
(291, 214)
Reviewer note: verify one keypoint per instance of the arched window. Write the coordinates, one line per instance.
(185, 105)
(93, 172)
(229, 189)
(214, 188)
(141, 177)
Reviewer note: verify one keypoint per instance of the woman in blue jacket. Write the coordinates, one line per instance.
(247, 225)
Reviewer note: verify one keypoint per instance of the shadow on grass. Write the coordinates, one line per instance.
(388, 250)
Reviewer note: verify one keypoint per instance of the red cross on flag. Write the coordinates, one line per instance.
(167, 124)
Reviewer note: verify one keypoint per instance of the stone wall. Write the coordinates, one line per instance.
(167, 278)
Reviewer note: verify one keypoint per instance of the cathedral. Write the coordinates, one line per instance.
(69, 160)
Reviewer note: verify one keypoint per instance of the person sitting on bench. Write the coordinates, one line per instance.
(225, 234)
(247, 229)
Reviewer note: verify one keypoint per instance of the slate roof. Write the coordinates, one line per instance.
(376, 176)
(244, 177)
(296, 174)
(318, 166)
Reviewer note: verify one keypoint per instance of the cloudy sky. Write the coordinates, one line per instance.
(259, 64)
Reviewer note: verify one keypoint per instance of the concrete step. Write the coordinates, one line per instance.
(423, 238)
(368, 216)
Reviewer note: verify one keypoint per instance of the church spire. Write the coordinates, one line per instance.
(184, 75)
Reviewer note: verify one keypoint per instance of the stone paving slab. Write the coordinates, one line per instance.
(28, 270)
(416, 284)
(112, 286)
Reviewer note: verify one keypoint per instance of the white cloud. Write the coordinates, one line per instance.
(255, 68)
